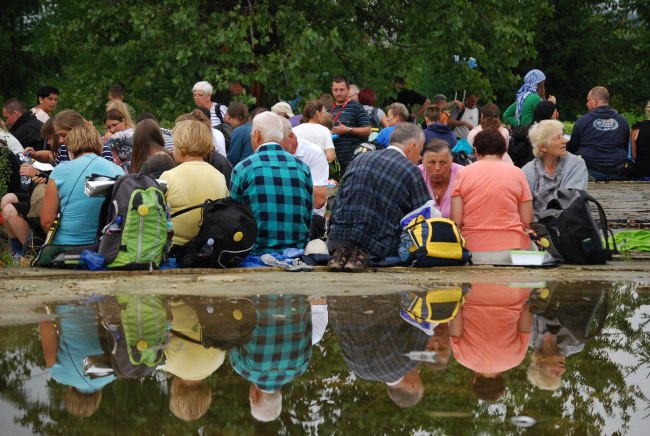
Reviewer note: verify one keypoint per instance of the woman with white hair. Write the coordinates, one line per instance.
(202, 93)
(553, 167)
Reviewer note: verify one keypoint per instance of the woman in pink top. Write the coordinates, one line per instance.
(490, 335)
(439, 170)
(490, 120)
(491, 203)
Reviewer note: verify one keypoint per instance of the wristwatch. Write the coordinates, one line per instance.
(350, 132)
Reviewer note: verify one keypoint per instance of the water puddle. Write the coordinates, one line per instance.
(465, 359)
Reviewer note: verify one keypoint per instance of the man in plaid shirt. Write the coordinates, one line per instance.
(277, 186)
(377, 190)
(278, 352)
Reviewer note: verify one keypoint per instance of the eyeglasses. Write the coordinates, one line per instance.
(113, 125)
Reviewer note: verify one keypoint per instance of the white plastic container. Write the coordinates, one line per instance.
(526, 258)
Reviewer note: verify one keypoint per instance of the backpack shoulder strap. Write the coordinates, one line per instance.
(186, 338)
(460, 114)
(603, 221)
(187, 209)
(217, 111)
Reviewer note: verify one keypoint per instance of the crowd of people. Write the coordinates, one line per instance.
(279, 164)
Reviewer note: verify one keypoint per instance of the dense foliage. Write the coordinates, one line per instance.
(158, 49)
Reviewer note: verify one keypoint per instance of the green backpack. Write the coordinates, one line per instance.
(137, 235)
(144, 320)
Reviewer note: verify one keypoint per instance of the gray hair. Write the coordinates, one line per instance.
(270, 126)
(268, 408)
(540, 134)
(406, 133)
(398, 109)
(286, 127)
(203, 86)
(354, 90)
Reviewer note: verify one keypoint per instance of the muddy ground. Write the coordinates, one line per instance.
(23, 290)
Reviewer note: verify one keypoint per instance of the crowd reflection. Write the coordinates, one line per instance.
(267, 340)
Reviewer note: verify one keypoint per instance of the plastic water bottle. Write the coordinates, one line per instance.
(207, 248)
(27, 158)
(92, 260)
(404, 249)
(116, 225)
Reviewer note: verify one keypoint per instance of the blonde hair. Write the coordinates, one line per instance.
(540, 134)
(84, 138)
(540, 377)
(120, 107)
(189, 402)
(192, 138)
(80, 404)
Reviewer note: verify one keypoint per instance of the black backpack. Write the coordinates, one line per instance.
(574, 231)
(223, 127)
(224, 322)
(226, 235)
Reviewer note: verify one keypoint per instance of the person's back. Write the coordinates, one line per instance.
(23, 124)
(277, 186)
(601, 138)
(378, 189)
(80, 213)
(240, 144)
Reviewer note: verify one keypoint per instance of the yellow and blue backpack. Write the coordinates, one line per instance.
(436, 242)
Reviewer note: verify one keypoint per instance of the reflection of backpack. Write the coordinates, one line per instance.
(426, 310)
(223, 127)
(136, 234)
(137, 332)
(225, 322)
(436, 242)
(226, 235)
(573, 230)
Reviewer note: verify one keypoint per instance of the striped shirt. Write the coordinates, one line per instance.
(214, 118)
(352, 115)
(279, 189)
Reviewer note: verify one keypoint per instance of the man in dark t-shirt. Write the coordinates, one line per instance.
(410, 98)
(351, 122)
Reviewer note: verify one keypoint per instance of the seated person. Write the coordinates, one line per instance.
(439, 171)
(192, 142)
(491, 203)
(277, 186)
(64, 194)
(240, 141)
(396, 115)
(214, 158)
(553, 167)
(119, 133)
(489, 119)
(640, 142)
(149, 154)
(436, 129)
(377, 190)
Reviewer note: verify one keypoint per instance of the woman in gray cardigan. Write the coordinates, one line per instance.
(553, 167)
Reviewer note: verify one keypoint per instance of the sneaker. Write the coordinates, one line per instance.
(339, 259)
(357, 261)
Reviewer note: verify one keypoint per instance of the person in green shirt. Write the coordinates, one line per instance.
(521, 112)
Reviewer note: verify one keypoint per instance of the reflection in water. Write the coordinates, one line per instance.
(214, 362)
(490, 335)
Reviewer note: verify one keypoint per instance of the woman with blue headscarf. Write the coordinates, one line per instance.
(521, 112)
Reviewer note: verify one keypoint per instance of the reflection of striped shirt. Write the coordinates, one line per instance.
(352, 115)
(278, 187)
(214, 119)
(280, 348)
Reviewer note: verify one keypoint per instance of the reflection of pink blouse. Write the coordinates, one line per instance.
(491, 341)
(504, 132)
(445, 205)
